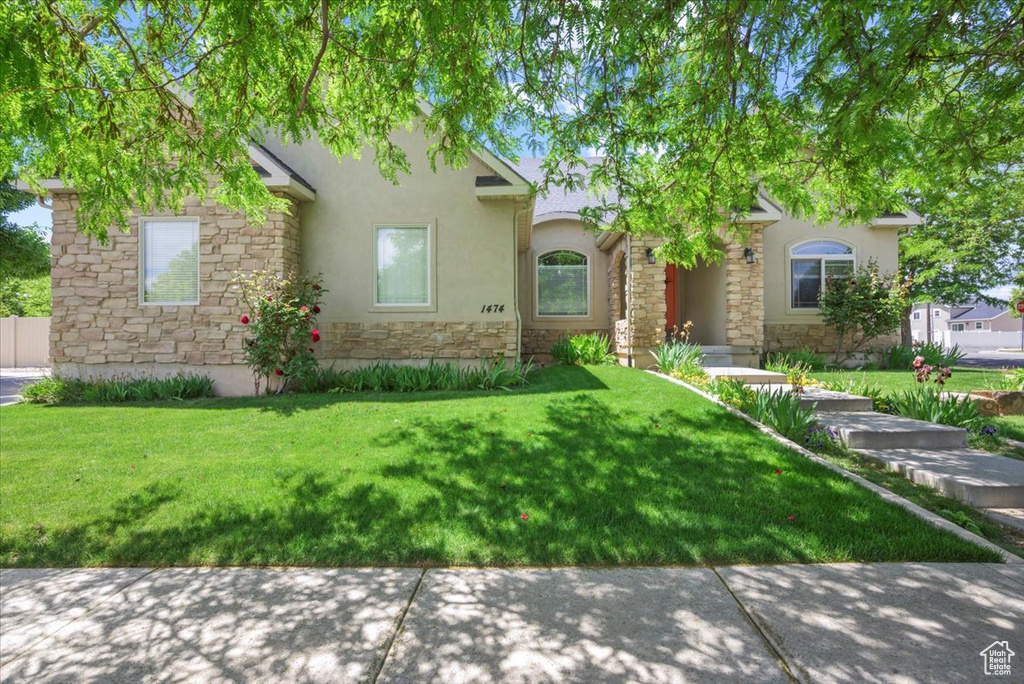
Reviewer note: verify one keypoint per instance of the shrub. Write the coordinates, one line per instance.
(781, 362)
(931, 405)
(280, 315)
(901, 356)
(823, 440)
(797, 372)
(731, 391)
(1012, 379)
(680, 358)
(862, 307)
(389, 377)
(118, 389)
(591, 349)
(781, 411)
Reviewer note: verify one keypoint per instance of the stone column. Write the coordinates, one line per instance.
(744, 292)
(645, 293)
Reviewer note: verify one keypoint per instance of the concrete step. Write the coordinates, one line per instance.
(823, 399)
(870, 430)
(976, 477)
(1011, 517)
(750, 376)
(718, 360)
(831, 401)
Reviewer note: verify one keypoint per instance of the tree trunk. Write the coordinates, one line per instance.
(906, 336)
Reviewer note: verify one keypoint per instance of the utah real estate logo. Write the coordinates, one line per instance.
(997, 658)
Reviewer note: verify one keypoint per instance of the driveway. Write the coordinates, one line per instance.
(993, 359)
(886, 622)
(13, 379)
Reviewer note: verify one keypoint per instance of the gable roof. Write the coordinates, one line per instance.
(560, 203)
(980, 312)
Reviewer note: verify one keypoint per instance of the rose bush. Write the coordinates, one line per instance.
(280, 321)
(862, 308)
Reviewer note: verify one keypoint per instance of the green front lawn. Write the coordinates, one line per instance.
(962, 380)
(1008, 426)
(609, 466)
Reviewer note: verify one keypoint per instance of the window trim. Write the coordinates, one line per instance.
(851, 257)
(917, 315)
(957, 327)
(431, 305)
(143, 220)
(536, 285)
(979, 325)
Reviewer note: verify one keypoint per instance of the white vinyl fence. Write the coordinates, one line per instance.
(24, 342)
(980, 339)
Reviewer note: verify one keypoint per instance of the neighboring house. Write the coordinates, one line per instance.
(938, 314)
(453, 264)
(984, 317)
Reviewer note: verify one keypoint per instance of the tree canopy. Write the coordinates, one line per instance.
(836, 109)
(971, 238)
(23, 251)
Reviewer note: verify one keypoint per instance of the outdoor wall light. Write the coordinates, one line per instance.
(650, 256)
(748, 254)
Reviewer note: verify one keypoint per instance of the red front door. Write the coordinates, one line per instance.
(671, 317)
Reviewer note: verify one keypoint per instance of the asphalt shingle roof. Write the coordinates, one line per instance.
(558, 200)
(980, 312)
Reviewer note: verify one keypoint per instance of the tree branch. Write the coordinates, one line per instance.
(325, 37)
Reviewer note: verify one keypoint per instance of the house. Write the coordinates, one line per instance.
(929, 316)
(984, 317)
(970, 326)
(762, 296)
(460, 264)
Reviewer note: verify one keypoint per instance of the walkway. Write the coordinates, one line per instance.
(812, 623)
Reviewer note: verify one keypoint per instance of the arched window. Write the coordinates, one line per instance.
(810, 264)
(563, 284)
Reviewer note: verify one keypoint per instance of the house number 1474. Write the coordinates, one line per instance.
(492, 308)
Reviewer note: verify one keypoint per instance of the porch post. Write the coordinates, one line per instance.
(744, 297)
(646, 294)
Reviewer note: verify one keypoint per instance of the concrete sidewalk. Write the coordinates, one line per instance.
(811, 623)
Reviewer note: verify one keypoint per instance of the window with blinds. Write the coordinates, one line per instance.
(402, 264)
(811, 264)
(169, 272)
(563, 284)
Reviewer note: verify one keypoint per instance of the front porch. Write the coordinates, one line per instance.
(650, 300)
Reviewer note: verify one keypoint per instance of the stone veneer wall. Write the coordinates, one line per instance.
(646, 294)
(744, 292)
(619, 329)
(539, 340)
(814, 336)
(97, 317)
(401, 340)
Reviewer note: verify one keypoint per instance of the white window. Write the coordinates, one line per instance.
(958, 327)
(979, 325)
(812, 263)
(563, 284)
(917, 315)
(169, 261)
(938, 312)
(402, 266)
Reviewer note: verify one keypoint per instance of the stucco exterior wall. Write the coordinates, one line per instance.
(540, 332)
(100, 328)
(785, 327)
(701, 295)
(474, 252)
